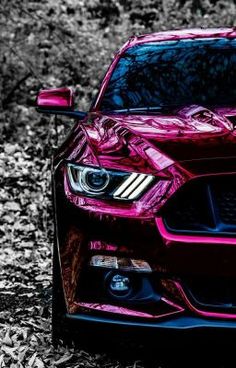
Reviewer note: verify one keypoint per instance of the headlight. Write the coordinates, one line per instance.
(110, 184)
(93, 180)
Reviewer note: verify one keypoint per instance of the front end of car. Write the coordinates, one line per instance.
(145, 246)
(144, 188)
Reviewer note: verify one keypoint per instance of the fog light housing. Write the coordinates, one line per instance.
(123, 264)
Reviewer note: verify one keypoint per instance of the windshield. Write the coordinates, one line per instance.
(174, 73)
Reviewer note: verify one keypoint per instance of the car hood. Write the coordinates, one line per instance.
(156, 141)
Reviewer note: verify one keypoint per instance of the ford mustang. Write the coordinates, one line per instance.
(144, 188)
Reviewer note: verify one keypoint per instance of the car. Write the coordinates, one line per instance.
(144, 189)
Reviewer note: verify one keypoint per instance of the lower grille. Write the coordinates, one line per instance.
(211, 293)
(203, 205)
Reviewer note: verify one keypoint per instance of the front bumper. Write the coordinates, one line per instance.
(82, 233)
(180, 323)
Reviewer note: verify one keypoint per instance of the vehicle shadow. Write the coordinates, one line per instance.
(164, 350)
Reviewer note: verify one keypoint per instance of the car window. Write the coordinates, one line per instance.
(174, 73)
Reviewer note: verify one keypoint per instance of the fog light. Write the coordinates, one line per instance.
(120, 284)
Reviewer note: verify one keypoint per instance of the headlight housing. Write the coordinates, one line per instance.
(106, 183)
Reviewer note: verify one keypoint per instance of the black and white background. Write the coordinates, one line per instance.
(54, 43)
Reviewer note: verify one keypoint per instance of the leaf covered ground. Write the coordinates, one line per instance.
(48, 43)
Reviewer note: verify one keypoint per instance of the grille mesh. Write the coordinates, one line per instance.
(203, 205)
(226, 201)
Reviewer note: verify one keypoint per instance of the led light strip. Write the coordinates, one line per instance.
(133, 186)
(141, 187)
(124, 186)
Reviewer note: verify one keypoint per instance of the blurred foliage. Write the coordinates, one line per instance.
(52, 43)
(71, 42)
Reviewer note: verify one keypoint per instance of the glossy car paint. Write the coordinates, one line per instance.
(193, 143)
(62, 98)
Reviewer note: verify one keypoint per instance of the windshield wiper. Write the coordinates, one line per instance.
(142, 109)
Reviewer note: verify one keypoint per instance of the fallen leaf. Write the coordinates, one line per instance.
(63, 360)
(12, 206)
(7, 340)
(32, 360)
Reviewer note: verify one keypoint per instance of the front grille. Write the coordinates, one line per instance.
(217, 293)
(203, 205)
(226, 201)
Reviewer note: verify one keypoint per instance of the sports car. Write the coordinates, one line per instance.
(144, 188)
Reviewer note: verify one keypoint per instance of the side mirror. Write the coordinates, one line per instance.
(58, 101)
